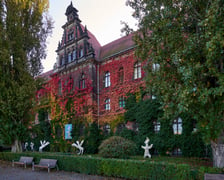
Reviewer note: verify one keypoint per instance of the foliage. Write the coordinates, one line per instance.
(117, 147)
(118, 168)
(183, 44)
(24, 28)
(41, 131)
(93, 139)
(127, 134)
(164, 142)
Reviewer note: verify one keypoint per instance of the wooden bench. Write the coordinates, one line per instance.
(46, 163)
(23, 161)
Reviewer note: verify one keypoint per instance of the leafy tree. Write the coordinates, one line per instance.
(93, 138)
(182, 44)
(24, 27)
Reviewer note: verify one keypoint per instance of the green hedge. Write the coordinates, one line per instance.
(129, 169)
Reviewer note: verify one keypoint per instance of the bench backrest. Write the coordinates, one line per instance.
(24, 159)
(46, 162)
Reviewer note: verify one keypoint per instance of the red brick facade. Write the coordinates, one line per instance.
(100, 75)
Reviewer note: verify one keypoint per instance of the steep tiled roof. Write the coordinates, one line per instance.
(116, 46)
(46, 75)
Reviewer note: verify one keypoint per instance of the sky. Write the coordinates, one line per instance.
(102, 18)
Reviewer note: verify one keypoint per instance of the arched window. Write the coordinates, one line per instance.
(82, 82)
(107, 104)
(137, 70)
(121, 75)
(177, 126)
(107, 79)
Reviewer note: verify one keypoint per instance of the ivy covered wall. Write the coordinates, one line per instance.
(145, 112)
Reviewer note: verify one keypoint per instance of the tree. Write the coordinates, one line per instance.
(24, 27)
(183, 46)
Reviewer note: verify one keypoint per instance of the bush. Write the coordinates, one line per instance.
(117, 168)
(93, 139)
(117, 147)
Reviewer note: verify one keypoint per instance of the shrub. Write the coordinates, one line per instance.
(117, 147)
(93, 139)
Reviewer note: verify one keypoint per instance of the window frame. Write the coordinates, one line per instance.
(137, 70)
(157, 126)
(82, 81)
(121, 102)
(107, 82)
(178, 126)
(107, 104)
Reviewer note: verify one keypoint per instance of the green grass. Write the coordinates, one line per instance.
(192, 161)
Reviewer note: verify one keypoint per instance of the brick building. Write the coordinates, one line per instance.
(97, 77)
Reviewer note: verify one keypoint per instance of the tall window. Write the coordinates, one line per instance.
(74, 55)
(121, 75)
(81, 52)
(107, 104)
(177, 126)
(69, 57)
(156, 126)
(121, 102)
(107, 79)
(62, 60)
(82, 83)
(137, 70)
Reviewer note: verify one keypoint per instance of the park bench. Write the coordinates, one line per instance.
(23, 161)
(46, 163)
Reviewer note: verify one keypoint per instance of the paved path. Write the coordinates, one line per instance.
(214, 176)
(7, 172)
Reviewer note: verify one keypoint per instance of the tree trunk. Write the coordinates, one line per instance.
(17, 146)
(218, 154)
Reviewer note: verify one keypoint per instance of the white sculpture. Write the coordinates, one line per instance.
(79, 146)
(43, 145)
(26, 145)
(147, 147)
(31, 146)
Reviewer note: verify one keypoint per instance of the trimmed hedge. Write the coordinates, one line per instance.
(129, 169)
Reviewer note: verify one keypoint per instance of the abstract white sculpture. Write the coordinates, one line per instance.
(43, 145)
(26, 145)
(147, 147)
(79, 146)
(31, 146)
